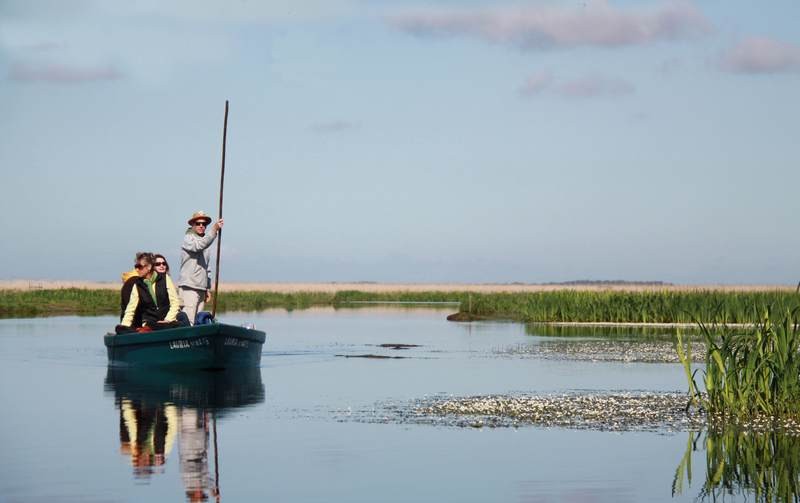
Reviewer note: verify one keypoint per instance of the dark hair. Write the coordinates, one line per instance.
(145, 256)
(158, 256)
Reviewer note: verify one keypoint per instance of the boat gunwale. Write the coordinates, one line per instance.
(188, 333)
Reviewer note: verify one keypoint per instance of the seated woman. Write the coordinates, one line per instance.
(161, 266)
(153, 300)
(128, 282)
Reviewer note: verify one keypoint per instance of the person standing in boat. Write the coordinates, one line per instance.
(153, 301)
(195, 259)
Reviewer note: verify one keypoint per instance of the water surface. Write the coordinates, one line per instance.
(74, 430)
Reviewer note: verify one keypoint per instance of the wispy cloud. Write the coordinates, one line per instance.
(761, 55)
(197, 10)
(549, 26)
(536, 83)
(590, 86)
(595, 87)
(61, 74)
(150, 42)
(333, 127)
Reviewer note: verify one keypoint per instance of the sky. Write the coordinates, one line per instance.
(405, 141)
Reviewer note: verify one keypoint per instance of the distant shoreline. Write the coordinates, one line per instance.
(370, 287)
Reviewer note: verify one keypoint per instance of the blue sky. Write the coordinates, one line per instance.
(462, 141)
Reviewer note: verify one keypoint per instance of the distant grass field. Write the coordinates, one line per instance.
(668, 306)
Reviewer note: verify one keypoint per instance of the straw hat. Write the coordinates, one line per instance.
(199, 215)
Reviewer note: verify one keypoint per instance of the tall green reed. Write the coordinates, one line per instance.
(658, 306)
(748, 375)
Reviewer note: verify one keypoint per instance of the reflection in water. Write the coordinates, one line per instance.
(765, 465)
(146, 434)
(604, 332)
(158, 409)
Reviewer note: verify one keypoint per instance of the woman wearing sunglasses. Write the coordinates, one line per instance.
(153, 302)
(161, 266)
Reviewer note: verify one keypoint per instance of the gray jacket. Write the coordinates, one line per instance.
(195, 255)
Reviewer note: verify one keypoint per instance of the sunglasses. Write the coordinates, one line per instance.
(140, 266)
(201, 223)
(157, 264)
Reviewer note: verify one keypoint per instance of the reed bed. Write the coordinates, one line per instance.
(66, 301)
(751, 376)
(666, 306)
(257, 301)
(606, 332)
(76, 301)
(33, 303)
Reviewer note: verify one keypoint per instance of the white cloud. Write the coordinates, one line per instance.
(546, 26)
(590, 86)
(761, 55)
(61, 74)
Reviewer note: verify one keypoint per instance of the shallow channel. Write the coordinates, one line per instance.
(315, 422)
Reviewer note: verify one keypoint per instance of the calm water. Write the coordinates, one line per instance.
(72, 430)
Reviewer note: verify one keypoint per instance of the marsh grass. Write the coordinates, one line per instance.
(666, 306)
(660, 306)
(750, 376)
(353, 296)
(257, 301)
(607, 332)
(32, 303)
(766, 465)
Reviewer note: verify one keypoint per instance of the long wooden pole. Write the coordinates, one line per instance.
(219, 216)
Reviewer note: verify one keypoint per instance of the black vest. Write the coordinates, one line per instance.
(125, 295)
(149, 310)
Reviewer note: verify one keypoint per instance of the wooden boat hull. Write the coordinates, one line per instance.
(212, 346)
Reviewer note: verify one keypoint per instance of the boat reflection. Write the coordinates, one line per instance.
(162, 411)
(764, 466)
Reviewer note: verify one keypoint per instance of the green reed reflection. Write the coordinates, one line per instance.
(607, 332)
(763, 465)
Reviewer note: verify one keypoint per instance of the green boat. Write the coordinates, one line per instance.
(211, 346)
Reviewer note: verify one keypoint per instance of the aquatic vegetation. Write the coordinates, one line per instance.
(766, 465)
(612, 306)
(626, 411)
(638, 332)
(79, 301)
(256, 301)
(32, 303)
(656, 306)
(752, 376)
(594, 350)
(354, 296)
